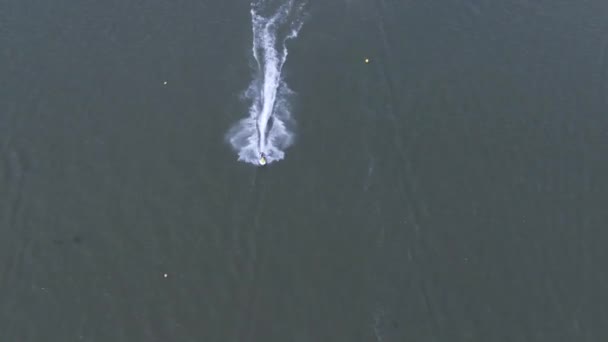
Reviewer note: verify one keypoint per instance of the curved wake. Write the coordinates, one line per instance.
(268, 130)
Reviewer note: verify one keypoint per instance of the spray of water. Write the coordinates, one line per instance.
(268, 130)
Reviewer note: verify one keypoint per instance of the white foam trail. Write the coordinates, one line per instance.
(269, 128)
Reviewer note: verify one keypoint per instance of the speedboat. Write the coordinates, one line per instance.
(262, 159)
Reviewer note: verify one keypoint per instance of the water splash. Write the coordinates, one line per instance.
(268, 130)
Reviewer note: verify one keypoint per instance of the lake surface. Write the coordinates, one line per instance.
(452, 189)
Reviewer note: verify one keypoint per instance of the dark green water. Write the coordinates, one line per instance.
(453, 189)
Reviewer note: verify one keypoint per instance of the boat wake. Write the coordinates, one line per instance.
(263, 136)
